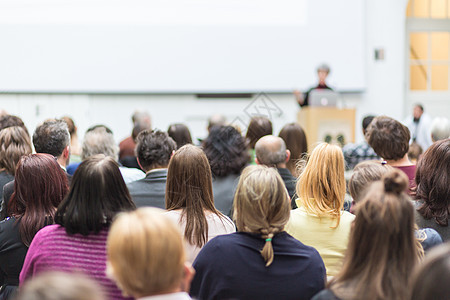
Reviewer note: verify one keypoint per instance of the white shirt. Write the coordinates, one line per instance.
(421, 130)
(171, 296)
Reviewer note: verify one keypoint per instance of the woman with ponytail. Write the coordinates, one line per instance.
(261, 260)
(383, 250)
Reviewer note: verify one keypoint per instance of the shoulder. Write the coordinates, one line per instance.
(347, 217)
(49, 231)
(325, 295)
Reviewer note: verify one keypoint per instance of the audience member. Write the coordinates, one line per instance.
(370, 171)
(130, 161)
(75, 149)
(100, 140)
(271, 151)
(319, 220)
(180, 134)
(216, 120)
(260, 261)
(382, 249)
(146, 256)
(433, 189)
(153, 149)
(190, 202)
(390, 140)
(14, 142)
(40, 185)
(356, 153)
(227, 153)
(78, 240)
(60, 286)
(419, 125)
(7, 120)
(440, 129)
(430, 279)
(258, 127)
(295, 138)
(141, 120)
(414, 152)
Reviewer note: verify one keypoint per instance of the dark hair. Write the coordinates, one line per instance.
(51, 137)
(430, 279)
(388, 137)
(10, 121)
(189, 187)
(226, 150)
(40, 185)
(154, 148)
(97, 193)
(432, 181)
(180, 134)
(419, 106)
(14, 142)
(366, 122)
(138, 128)
(414, 151)
(295, 138)
(258, 127)
(382, 249)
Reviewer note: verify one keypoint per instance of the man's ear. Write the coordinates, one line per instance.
(139, 163)
(256, 161)
(173, 152)
(288, 155)
(189, 273)
(66, 152)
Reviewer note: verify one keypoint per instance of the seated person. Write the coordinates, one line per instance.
(146, 256)
(261, 260)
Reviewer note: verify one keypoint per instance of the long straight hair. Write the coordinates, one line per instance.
(189, 187)
(295, 139)
(382, 249)
(321, 186)
(97, 193)
(40, 185)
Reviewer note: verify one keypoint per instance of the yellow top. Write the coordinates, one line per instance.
(318, 233)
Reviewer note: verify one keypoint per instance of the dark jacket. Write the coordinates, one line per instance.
(151, 190)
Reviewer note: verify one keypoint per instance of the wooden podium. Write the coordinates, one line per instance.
(327, 124)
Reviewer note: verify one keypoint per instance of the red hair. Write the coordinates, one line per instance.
(40, 185)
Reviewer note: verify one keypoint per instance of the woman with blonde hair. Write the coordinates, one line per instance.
(146, 256)
(319, 220)
(382, 250)
(189, 199)
(260, 261)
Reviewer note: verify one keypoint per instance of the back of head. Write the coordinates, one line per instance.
(261, 205)
(137, 128)
(189, 187)
(216, 120)
(14, 142)
(145, 253)
(440, 129)
(295, 138)
(388, 137)
(142, 117)
(258, 127)
(363, 175)
(51, 137)
(432, 181)
(97, 193)
(70, 125)
(10, 121)
(60, 286)
(382, 249)
(430, 279)
(154, 148)
(321, 186)
(99, 140)
(226, 150)
(180, 134)
(270, 150)
(414, 151)
(366, 122)
(40, 186)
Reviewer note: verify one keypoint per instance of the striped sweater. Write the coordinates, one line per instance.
(53, 249)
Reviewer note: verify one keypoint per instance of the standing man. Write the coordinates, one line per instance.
(419, 125)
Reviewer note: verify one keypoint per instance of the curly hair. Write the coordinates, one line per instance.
(226, 150)
(51, 137)
(154, 148)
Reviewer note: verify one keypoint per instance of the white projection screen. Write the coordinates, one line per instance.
(179, 46)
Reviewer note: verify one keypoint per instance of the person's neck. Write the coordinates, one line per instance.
(281, 166)
(156, 168)
(62, 162)
(161, 293)
(403, 162)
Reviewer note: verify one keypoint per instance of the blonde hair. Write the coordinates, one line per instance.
(262, 205)
(321, 186)
(145, 252)
(365, 173)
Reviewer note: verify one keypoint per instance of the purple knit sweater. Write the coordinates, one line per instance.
(53, 249)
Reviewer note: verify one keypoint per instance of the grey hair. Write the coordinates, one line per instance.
(99, 141)
(323, 67)
(440, 129)
(270, 153)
